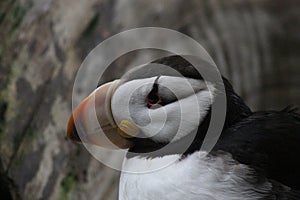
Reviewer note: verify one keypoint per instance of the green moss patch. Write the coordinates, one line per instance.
(68, 183)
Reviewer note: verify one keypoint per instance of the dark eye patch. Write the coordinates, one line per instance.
(153, 98)
(160, 95)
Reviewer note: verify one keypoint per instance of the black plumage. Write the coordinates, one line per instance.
(269, 142)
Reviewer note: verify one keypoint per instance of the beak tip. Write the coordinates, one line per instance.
(72, 131)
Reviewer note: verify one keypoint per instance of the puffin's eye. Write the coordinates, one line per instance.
(152, 99)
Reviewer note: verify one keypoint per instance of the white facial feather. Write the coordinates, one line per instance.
(198, 176)
(164, 123)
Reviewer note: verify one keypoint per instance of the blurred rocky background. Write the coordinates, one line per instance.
(255, 43)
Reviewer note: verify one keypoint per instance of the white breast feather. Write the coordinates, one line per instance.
(198, 176)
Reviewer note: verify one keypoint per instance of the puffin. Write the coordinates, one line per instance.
(161, 111)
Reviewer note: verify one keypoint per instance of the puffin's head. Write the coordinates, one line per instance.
(150, 106)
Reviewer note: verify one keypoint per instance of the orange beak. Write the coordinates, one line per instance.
(92, 121)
